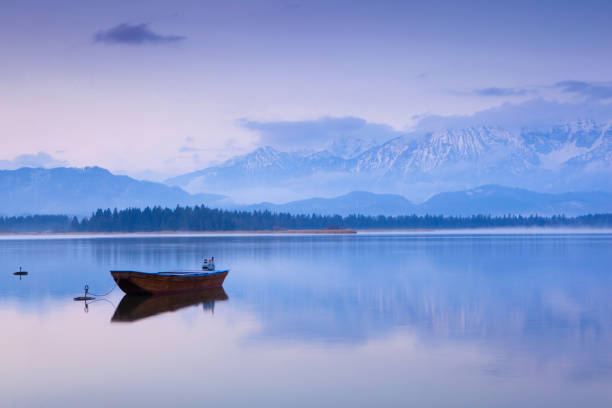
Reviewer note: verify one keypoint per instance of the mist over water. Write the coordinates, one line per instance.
(429, 319)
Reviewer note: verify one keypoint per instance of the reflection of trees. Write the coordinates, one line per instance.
(511, 289)
(542, 325)
(434, 312)
(545, 296)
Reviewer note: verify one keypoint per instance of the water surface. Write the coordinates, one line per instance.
(464, 320)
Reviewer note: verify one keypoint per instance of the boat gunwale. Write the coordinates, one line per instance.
(169, 274)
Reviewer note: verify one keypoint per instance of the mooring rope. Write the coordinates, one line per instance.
(102, 299)
(105, 294)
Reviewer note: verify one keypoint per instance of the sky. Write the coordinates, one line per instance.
(158, 88)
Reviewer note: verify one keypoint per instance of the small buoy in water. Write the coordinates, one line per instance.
(20, 272)
(85, 297)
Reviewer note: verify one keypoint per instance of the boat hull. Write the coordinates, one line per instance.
(143, 283)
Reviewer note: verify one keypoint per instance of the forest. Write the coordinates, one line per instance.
(202, 218)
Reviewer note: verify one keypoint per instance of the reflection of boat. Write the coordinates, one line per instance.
(134, 283)
(136, 307)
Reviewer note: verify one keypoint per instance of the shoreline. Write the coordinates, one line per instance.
(344, 231)
(340, 231)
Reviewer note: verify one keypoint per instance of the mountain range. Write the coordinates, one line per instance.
(488, 199)
(65, 190)
(451, 171)
(566, 157)
(79, 191)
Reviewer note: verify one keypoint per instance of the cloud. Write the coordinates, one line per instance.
(538, 113)
(188, 149)
(134, 34)
(295, 135)
(41, 159)
(494, 91)
(590, 90)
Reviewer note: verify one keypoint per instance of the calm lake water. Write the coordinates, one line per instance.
(463, 320)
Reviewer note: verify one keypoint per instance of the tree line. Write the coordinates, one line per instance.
(202, 218)
(35, 223)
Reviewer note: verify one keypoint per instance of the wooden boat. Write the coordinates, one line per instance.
(143, 283)
(136, 307)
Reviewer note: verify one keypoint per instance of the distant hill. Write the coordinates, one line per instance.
(489, 199)
(357, 202)
(499, 200)
(66, 190)
(80, 191)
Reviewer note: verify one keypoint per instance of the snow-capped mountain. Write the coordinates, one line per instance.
(571, 156)
(478, 148)
(349, 147)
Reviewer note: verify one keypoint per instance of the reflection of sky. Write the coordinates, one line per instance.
(397, 316)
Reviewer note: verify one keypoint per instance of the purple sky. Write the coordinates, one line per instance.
(169, 86)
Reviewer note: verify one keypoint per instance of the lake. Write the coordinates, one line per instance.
(393, 320)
